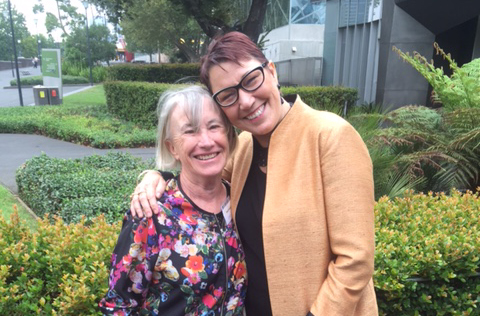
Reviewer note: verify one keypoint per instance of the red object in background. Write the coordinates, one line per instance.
(54, 93)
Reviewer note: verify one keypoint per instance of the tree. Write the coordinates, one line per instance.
(159, 25)
(66, 17)
(20, 29)
(212, 16)
(102, 45)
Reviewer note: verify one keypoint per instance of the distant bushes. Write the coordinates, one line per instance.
(71, 188)
(38, 80)
(163, 73)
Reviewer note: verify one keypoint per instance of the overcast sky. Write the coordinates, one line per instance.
(26, 8)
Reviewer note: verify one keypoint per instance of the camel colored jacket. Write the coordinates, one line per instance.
(318, 219)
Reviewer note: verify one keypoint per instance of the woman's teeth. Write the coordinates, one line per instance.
(256, 113)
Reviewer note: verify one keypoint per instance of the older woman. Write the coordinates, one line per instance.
(187, 260)
(302, 191)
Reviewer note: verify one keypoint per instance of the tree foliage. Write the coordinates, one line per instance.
(159, 25)
(66, 17)
(19, 27)
(102, 45)
(212, 16)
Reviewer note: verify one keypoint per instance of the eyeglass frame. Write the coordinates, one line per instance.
(239, 85)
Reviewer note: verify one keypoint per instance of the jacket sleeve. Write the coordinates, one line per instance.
(132, 264)
(347, 176)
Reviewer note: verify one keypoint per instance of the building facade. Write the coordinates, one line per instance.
(349, 43)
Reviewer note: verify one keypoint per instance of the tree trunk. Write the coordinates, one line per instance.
(253, 25)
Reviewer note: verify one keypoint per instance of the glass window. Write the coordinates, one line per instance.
(307, 11)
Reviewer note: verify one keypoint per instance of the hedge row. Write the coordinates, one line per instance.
(137, 101)
(71, 188)
(426, 260)
(38, 80)
(165, 73)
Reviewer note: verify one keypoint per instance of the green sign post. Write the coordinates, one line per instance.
(52, 70)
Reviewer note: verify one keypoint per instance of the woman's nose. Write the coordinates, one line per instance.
(205, 138)
(245, 99)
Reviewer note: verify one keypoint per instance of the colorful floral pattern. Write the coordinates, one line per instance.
(184, 261)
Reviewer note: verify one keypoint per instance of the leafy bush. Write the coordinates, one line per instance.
(135, 101)
(71, 188)
(163, 73)
(425, 263)
(433, 239)
(332, 98)
(82, 119)
(38, 80)
(57, 270)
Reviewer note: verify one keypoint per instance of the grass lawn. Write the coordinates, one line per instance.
(83, 118)
(7, 204)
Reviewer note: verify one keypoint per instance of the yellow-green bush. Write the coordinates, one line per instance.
(166, 73)
(58, 270)
(426, 262)
(427, 254)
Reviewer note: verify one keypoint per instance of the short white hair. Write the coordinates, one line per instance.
(190, 99)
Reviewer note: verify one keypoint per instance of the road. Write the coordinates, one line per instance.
(9, 97)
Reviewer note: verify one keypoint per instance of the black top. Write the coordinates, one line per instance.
(249, 224)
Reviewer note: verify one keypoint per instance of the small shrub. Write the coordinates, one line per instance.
(434, 239)
(59, 269)
(71, 188)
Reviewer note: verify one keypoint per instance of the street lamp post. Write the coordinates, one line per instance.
(85, 5)
(39, 55)
(19, 85)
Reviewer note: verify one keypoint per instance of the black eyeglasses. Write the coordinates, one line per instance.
(250, 82)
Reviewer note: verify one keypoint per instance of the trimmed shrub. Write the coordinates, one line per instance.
(135, 101)
(71, 188)
(331, 98)
(163, 73)
(57, 270)
(83, 119)
(38, 80)
(427, 259)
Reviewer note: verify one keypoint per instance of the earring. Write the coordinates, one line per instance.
(278, 86)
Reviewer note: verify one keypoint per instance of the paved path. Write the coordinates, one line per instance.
(15, 149)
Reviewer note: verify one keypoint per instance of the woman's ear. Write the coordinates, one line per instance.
(171, 148)
(273, 70)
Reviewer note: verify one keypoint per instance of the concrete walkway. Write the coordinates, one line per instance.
(15, 149)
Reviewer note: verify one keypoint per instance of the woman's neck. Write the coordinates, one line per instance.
(207, 193)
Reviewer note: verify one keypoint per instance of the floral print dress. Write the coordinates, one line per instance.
(183, 261)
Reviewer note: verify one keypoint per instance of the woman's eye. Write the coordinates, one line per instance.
(189, 131)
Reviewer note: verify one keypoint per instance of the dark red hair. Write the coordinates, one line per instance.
(232, 47)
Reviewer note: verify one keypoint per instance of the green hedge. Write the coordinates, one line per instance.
(164, 73)
(63, 270)
(38, 80)
(71, 188)
(331, 98)
(58, 269)
(137, 101)
(427, 254)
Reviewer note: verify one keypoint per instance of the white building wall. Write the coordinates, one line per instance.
(295, 41)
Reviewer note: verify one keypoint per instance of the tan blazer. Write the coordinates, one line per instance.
(318, 228)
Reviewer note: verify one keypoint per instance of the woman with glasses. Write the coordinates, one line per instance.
(302, 191)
